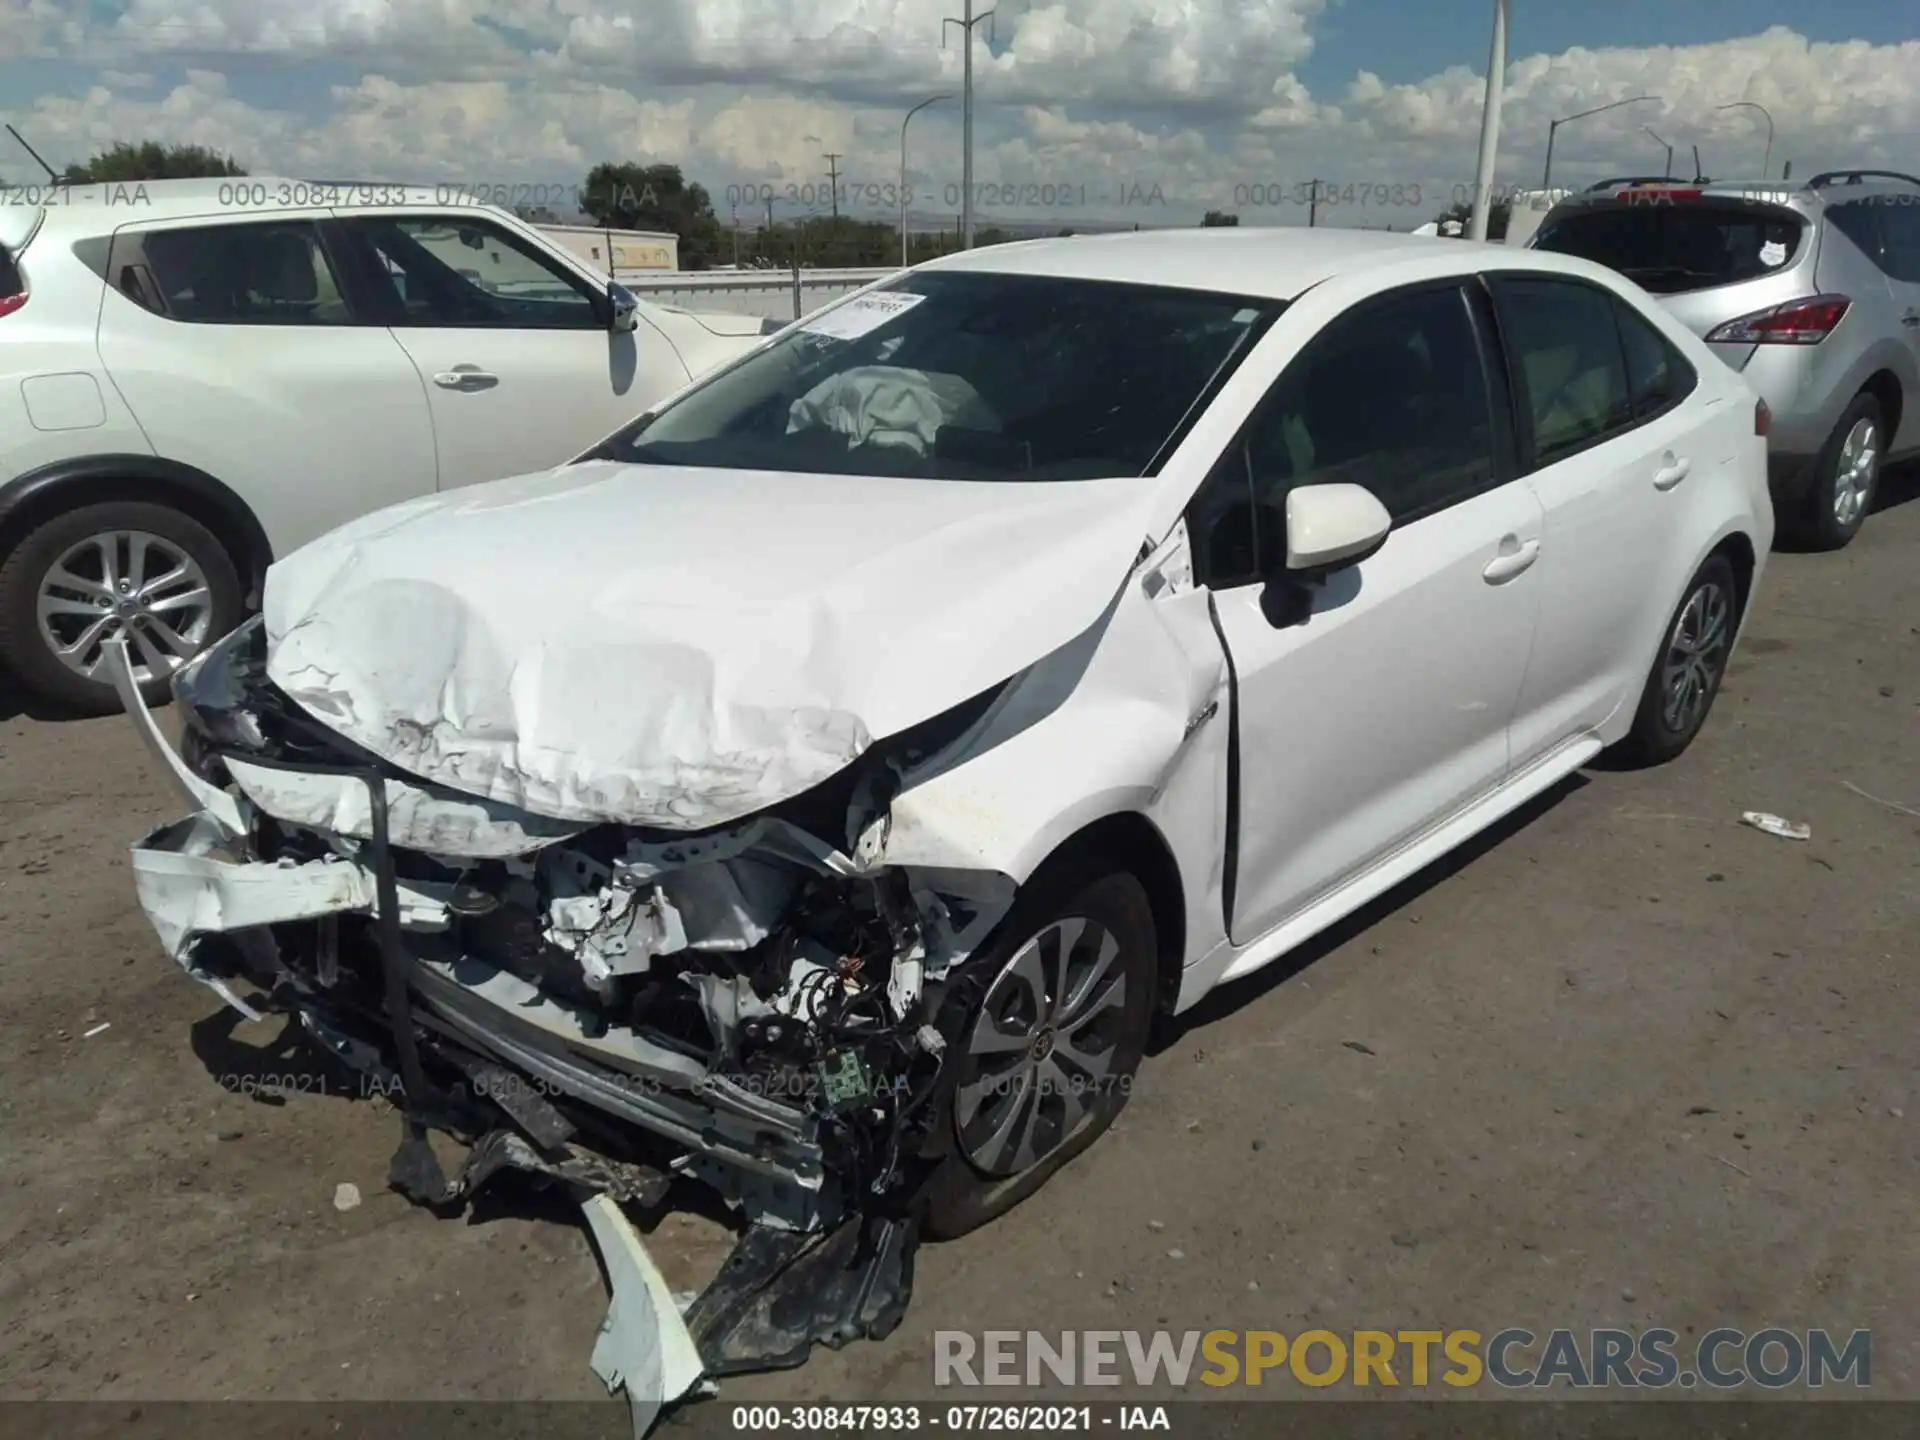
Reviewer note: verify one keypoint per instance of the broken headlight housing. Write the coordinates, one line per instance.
(213, 693)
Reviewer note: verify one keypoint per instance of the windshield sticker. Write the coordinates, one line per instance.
(861, 315)
(1773, 253)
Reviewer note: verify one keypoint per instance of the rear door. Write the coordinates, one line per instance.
(1615, 453)
(522, 368)
(239, 353)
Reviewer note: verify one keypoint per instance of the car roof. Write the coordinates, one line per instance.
(96, 208)
(1278, 263)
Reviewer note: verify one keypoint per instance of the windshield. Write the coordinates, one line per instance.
(962, 375)
(1671, 247)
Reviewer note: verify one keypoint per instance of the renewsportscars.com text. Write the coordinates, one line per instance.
(1658, 1358)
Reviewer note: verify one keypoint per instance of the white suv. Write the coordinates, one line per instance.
(197, 376)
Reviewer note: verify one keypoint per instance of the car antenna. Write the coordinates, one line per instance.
(51, 173)
(1697, 176)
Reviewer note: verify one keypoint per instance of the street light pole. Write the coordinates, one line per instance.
(1546, 179)
(1490, 123)
(966, 25)
(935, 100)
(1668, 172)
(1766, 165)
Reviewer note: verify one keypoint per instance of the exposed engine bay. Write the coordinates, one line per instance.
(757, 1007)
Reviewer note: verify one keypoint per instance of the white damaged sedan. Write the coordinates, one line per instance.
(819, 787)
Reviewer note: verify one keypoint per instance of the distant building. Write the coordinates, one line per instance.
(609, 250)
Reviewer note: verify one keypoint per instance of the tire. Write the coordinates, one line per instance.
(1686, 674)
(971, 1184)
(1845, 478)
(74, 563)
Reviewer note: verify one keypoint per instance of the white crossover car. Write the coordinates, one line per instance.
(819, 787)
(197, 376)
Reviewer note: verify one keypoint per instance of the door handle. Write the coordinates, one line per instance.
(465, 377)
(1509, 563)
(1672, 472)
(1912, 317)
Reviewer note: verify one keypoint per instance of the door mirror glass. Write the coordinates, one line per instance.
(1329, 527)
(626, 308)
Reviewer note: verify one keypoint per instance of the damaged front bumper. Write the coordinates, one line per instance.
(755, 1009)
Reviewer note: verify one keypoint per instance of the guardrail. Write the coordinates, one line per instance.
(769, 294)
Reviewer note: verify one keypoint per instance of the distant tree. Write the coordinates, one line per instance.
(656, 197)
(1497, 217)
(1218, 219)
(151, 160)
(1068, 233)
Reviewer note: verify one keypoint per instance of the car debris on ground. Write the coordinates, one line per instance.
(1773, 825)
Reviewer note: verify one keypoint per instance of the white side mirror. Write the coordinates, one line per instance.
(1333, 525)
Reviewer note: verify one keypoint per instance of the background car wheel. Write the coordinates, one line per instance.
(119, 568)
(1056, 1022)
(1846, 476)
(1687, 673)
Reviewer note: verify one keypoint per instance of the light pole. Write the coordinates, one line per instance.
(935, 100)
(1766, 165)
(1546, 180)
(966, 25)
(1668, 172)
(1490, 123)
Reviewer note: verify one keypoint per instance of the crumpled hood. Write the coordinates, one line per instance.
(681, 648)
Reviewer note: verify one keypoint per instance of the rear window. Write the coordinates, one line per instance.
(1671, 247)
(10, 282)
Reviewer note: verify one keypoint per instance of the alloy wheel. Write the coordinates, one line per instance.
(1041, 1052)
(131, 583)
(1855, 473)
(1696, 651)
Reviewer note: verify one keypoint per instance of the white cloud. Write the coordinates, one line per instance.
(1084, 105)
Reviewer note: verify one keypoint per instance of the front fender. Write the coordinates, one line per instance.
(1131, 717)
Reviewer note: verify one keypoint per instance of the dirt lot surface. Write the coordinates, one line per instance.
(1625, 1062)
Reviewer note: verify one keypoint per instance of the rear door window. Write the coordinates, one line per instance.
(1564, 346)
(1671, 247)
(1900, 226)
(1859, 221)
(11, 285)
(1659, 377)
(261, 274)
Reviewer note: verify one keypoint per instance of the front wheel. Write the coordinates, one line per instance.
(1049, 1051)
(1686, 675)
(130, 569)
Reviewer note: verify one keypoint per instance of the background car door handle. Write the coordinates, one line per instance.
(1671, 473)
(1912, 317)
(1509, 563)
(465, 377)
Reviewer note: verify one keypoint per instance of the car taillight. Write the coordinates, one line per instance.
(1762, 419)
(11, 303)
(1798, 322)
